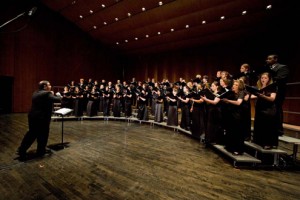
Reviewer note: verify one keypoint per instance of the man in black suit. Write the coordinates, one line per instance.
(280, 75)
(39, 119)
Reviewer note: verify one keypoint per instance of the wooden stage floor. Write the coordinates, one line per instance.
(121, 160)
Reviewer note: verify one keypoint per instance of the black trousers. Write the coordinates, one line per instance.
(38, 130)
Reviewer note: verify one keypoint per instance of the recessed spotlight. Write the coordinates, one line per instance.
(269, 7)
(158, 33)
(160, 3)
(143, 9)
(172, 29)
(126, 41)
(73, 2)
(103, 6)
(94, 27)
(105, 23)
(136, 38)
(222, 17)
(244, 12)
(203, 22)
(129, 14)
(91, 11)
(80, 16)
(147, 36)
(117, 19)
(117, 43)
(187, 26)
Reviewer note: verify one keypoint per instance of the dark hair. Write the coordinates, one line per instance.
(42, 84)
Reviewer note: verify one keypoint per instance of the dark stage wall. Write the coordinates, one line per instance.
(51, 48)
(46, 46)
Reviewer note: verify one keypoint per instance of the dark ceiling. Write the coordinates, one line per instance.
(167, 24)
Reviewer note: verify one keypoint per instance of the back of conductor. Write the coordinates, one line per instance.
(39, 118)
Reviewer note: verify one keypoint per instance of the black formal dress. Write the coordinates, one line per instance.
(185, 121)
(198, 117)
(158, 111)
(128, 96)
(265, 128)
(172, 111)
(214, 131)
(117, 104)
(142, 107)
(234, 138)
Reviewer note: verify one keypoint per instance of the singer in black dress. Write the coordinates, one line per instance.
(92, 105)
(158, 112)
(77, 97)
(184, 104)
(214, 131)
(128, 96)
(265, 128)
(142, 105)
(172, 109)
(234, 138)
(197, 114)
(117, 101)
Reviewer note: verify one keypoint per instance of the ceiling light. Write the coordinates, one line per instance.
(103, 6)
(94, 27)
(160, 3)
(147, 36)
(143, 9)
(269, 7)
(136, 38)
(203, 22)
(117, 43)
(244, 12)
(73, 2)
(126, 40)
(91, 11)
(128, 14)
(172, 29)
(158, 33)
(104, 23)
(117, 19)
(222, 17)
(80, 16)
(187, 26)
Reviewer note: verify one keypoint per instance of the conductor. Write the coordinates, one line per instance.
(39, 118)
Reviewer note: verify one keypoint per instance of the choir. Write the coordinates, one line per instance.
(216, 112)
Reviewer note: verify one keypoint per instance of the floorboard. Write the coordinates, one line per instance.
(121, 160)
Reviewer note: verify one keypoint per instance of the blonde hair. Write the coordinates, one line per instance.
(259, 85)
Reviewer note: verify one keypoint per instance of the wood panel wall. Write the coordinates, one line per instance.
(51, 48)
(48, 48)
(228, 55)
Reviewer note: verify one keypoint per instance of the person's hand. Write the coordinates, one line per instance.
(57, 94)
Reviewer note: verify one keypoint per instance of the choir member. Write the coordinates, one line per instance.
(234, 138)
(117, 101)
(158, 114)
(77, 97)
(265, 129)
(184, 105)
(197, 114)
(172, 110)
(214, 131)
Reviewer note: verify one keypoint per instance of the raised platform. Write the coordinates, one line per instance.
(245, 158)
(275, 152)
(291, 140)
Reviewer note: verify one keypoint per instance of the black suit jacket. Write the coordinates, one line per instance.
(280, 75)
(42, 105)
